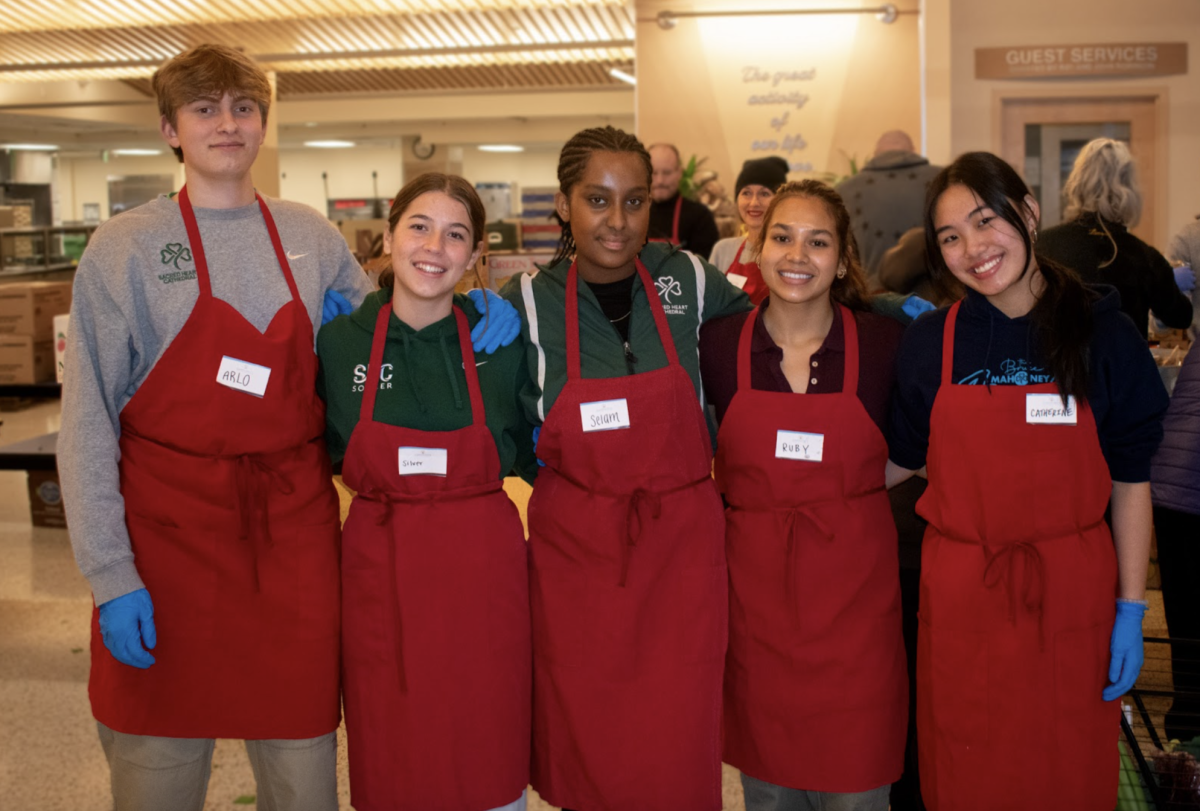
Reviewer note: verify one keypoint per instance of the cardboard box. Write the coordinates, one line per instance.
(28, 308)
(60, 343)
(24, 360)
(45, 500)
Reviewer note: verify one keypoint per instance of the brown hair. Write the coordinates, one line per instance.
(850, 289)
(208, 70)
(573, 161)
(454, 187)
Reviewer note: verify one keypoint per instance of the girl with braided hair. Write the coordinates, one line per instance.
(628, 580)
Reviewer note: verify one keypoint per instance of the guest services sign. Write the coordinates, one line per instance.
(1059, 61)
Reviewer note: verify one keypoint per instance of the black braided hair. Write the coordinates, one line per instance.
(573, 160)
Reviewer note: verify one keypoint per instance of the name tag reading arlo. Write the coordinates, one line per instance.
(1047, 409)
(243, 376)
(423, 461)
(799, 445)
(737, 280)
(604, 415)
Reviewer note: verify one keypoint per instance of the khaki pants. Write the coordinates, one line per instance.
(151, 773)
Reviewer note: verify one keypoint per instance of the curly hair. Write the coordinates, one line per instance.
(850, 289)
(1104, 180)
(573, 161)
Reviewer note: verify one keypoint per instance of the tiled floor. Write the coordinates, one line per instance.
(50, 758)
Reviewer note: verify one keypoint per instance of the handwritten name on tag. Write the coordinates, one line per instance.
(737, 280)
(243, 376)
(799, 445)
(1047, 409)
(423, 461)
(604, 415)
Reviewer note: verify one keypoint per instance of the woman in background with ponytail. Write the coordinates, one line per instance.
(1033, 401)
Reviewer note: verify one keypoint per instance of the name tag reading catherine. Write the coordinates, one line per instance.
(1047, 409)
(243, 376)
(799, 445)
(604, 415)
(737, 280)
(423, 461)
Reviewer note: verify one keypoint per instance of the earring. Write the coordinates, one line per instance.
(841, 271)
(1033, 236)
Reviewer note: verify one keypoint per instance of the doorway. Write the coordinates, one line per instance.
(1042, 136)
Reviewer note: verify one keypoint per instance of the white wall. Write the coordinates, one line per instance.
(82, 180)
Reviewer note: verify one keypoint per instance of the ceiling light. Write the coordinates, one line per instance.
(31, 147)
(501, 148)
(132, 153)
(623, 76)
(330, 144)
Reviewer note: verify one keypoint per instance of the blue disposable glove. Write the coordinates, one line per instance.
(1126, 648)
(126, 624)
(501, 326)
(335, 304)
(537, 432)
(915, 305)
(1185, 279)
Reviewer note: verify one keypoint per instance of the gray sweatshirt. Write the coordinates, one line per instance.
(134, 290)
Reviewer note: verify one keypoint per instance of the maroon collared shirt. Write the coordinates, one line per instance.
(878, 341)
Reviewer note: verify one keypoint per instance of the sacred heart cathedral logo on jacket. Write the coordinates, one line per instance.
(667, 287)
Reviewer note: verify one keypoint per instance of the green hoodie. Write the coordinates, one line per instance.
(422, 383)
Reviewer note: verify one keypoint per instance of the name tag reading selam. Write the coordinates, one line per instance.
(1047, 409)
(737, 280)
(604, 415)
(243, 376)
(799, 445)
(423, 461)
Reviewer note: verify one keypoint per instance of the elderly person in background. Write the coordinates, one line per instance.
(1103, 201)
(673, 217)
(886, 198)
(736, 257)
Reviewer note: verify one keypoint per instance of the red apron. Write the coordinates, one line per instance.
(674, 240)
(233, 519)
(628, 589)
(816, 689)
(754, 287)
(1018, 588)
(435, 601)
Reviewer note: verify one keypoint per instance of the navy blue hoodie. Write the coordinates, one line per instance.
(1125, 392)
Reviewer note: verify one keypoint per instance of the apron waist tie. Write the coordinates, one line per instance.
(639, 496)
(253, 480)
(385, 518)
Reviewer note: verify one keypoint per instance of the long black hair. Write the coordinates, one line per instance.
(573, 160)
(1062, 317)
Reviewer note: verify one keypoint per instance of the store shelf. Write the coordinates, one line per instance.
(38, 453)
(42, 390)
(45, 249)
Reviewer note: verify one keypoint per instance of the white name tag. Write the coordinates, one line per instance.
(604, 415)
(1047, 409)
(243, 376)
(737, 280)
(423, 461)
(799, 445)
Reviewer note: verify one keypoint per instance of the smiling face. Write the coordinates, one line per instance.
(986, 252)
(800, 254)
(432, 245)
(220, 137)
(752, 202)
(609, 213)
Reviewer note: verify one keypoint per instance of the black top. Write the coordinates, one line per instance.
(616, 300)
(1125, 392)
(697, 228)
(1141, 274)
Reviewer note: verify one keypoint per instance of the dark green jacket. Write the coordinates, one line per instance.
(692, 291)
(425, 386)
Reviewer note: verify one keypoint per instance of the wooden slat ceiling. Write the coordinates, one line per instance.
(328, 46)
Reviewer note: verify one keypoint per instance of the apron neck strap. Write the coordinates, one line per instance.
(948, 343)
(743, 352)
(197, 246)
(379, 339)
(478, 418)
(366, 412)
(850, 339)
(656, 309)
(737, 256)
(675, 220)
